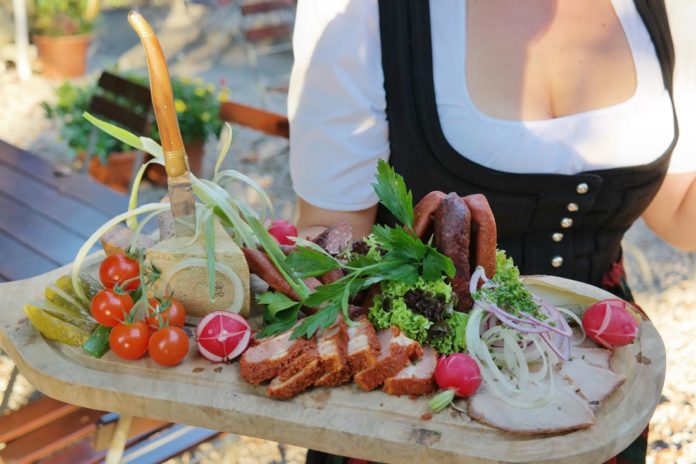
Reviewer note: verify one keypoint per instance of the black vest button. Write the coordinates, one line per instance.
(573, 207)
(566, 222)
(557, 261)
(557, 237)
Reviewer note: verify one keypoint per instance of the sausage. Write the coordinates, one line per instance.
(483, 233)
(452, 226)
(336, 238)
(423, 211)
(331, 276)
(261, 265)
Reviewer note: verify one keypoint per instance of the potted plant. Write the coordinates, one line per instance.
(61, 32)
(198, 112)
(109, 161)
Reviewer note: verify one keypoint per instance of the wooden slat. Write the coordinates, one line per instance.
(140, 426)
(85, 451)
(52, 437)
(255, 118)
(34, 415)
(77, 186)
(266, 6)
(174, 441)
(131, 120)
(125, 88)
(39, 233)
(44, 200)
(273, 31)
(21, 262)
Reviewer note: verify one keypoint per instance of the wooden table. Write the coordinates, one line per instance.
(44, 218)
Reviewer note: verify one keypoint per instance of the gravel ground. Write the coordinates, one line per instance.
(664, 279)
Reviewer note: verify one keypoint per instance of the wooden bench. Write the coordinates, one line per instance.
(45, 220)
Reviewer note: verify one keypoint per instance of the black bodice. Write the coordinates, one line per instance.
(565, 225)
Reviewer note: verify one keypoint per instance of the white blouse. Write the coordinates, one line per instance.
(337, 105)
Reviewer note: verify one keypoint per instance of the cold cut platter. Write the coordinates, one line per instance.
(343, 420)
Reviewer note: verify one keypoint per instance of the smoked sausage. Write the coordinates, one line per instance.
(423, 214)
(483, 233)
(452, 224)
(261, 265)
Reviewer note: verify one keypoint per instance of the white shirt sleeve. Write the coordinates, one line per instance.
(682, 16)
(336, 103)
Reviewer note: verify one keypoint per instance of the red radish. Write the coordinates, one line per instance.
(610, 323)
(281, 230)
(222, 336)
(459, 375)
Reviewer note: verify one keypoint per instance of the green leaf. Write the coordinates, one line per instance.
(278, 326)
(393, 194)
(306, 262)
(324, 318)
(276, 305)
(139, 143)
(209, 235)
(225, 142)
(435, 264)
(326, 292)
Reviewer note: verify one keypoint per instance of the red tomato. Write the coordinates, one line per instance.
(609, 323)
(459, 372)
(120, 269)
(109, 308)
(168, 346)
(171, 312)
(281, 230)
(129, 341)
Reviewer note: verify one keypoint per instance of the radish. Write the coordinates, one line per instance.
(610, 323)
(221, 336)
(282, 230)
(459, 375)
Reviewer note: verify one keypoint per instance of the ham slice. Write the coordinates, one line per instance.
(270, 356)
(412, 348)
(595, 356)
(333, 347)
(415, 379)
(565, 412)
(594, 383)
(301, 374)
(392, 358)
(363, 345)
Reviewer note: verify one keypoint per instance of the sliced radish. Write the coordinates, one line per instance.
(221, 336)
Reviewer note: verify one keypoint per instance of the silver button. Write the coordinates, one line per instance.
(582, 188)
(566, 222)
(557, 237)
(557, 261)
(572, 207)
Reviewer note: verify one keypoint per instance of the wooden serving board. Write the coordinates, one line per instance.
(345, 420)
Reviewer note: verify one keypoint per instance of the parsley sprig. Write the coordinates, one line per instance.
(404, 258)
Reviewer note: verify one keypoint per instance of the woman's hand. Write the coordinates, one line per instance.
(312, 220)
(672, 213)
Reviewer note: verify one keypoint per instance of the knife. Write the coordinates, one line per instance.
(176, 163)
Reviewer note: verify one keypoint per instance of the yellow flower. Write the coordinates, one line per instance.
(210, 88)
(224, 95)
(198, 81)
(200, 91)
(180, 105)
(205, 116)
(185, 80)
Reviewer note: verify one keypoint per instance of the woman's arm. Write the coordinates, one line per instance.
(312, 220)
(672, 214)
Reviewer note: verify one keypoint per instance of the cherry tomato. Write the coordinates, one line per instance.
(168, 346)
(171, 312)
(609, 323)
(109, 308)
(129, 341)
(120, 269)
(281, 230)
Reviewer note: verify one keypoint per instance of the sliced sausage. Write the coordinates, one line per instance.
(483, 233)
(336, 238)
(452, 226)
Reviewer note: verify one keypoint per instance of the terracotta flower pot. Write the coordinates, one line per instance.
(116, 173)
(195, 150)
(63, 56)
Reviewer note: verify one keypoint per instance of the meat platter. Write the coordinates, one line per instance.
(343, 420)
